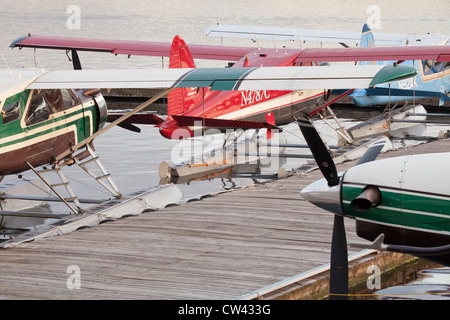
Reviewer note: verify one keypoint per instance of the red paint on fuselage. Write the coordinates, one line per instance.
(220, 103)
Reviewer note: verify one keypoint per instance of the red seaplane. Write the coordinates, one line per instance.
(250, 109)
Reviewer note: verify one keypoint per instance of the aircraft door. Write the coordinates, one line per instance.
(93, 109)
(102, 111)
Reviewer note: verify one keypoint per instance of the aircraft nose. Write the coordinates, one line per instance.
(322, 195)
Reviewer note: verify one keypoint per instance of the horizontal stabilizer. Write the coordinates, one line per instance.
(186, 121)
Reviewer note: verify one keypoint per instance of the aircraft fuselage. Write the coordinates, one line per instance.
(38, 125)
(405, 198)
(432, 82)
(253, 105)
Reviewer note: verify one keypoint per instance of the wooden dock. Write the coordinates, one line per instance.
(225, 246)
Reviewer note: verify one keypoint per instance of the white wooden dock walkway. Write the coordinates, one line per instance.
(221, 247)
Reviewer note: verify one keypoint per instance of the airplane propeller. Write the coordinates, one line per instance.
(319, 151)
(339, 253)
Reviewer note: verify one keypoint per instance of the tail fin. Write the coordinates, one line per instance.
(181, 99)
(367, 41)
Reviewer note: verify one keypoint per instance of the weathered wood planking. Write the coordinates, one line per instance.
(218, 248)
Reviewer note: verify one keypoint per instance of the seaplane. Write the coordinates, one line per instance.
(432, 81)
(431, 85)
(233, 107)
(397, 205)
(50, 119)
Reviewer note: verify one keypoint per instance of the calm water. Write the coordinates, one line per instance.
(431, 284)
(133, 159)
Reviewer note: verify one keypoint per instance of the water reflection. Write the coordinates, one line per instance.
(432, 284)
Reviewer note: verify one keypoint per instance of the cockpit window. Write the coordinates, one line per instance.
(432, 67)
(11, 112)
(69, 99)
(38, 110)
(47, 102)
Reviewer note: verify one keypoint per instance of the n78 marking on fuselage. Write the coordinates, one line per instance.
(253, 96)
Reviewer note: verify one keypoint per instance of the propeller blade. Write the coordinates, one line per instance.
(339, 261)
(128, 126)
(319, 151)
(139, 118)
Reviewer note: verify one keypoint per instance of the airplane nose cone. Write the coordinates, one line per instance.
(322, 195)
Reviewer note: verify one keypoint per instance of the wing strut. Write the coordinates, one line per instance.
(113, 124)
(326, 107)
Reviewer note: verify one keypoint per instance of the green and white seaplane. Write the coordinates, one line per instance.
(37, 125)
(402, 204)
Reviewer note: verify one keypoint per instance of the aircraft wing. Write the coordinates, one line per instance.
(142, 48)
(290, 34)
(266, 78)
(438, 53)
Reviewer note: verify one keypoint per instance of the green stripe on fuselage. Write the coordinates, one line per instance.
(216, 78)
(414, 210)
(61, 123)
(74, 116)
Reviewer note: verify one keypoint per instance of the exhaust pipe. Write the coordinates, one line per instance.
(370, 197)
